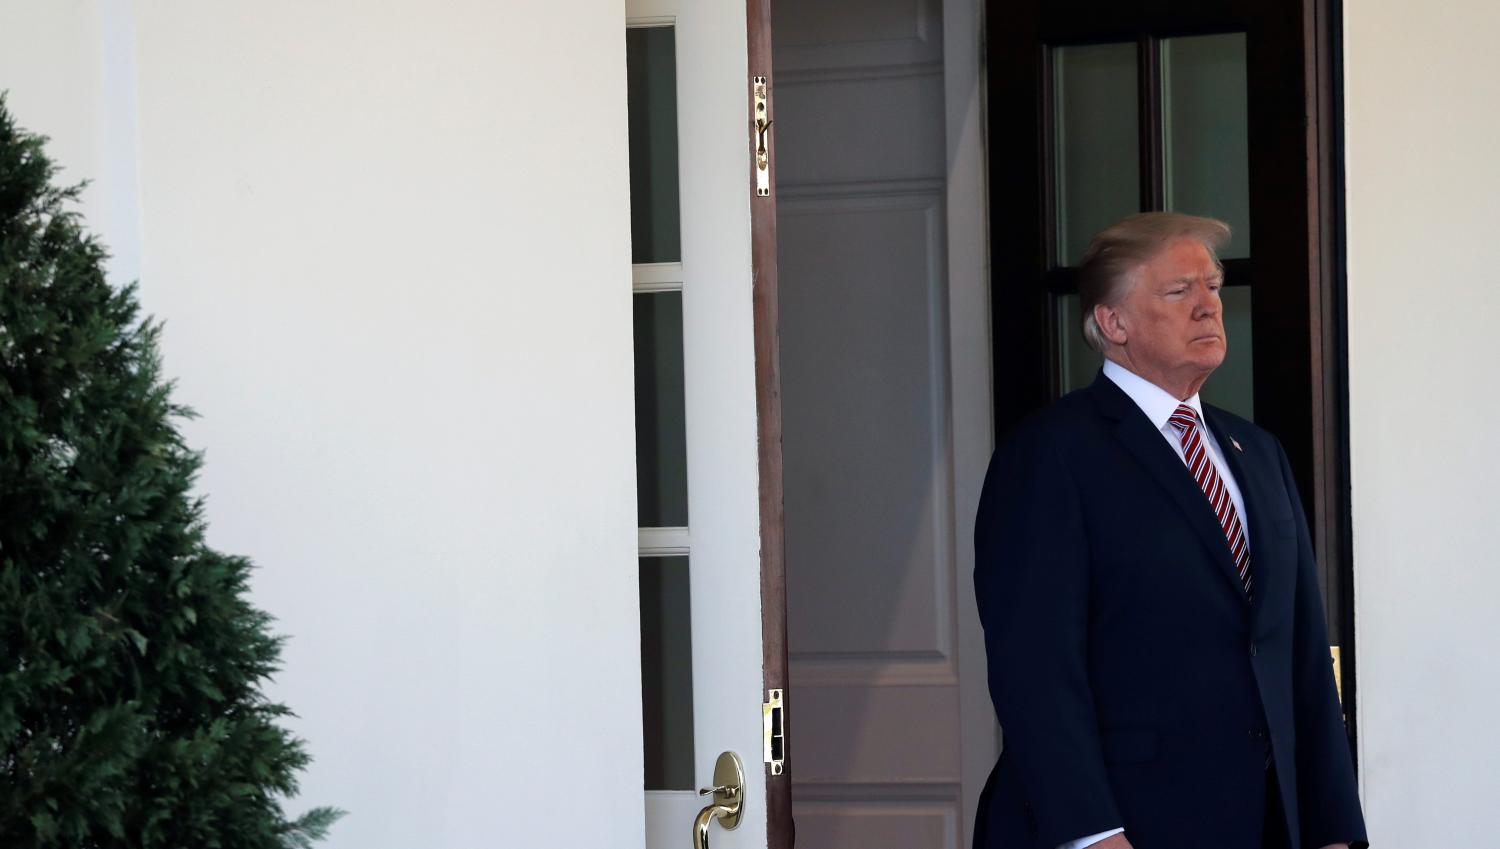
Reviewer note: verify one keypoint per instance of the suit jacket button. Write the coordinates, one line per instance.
(1252, 649)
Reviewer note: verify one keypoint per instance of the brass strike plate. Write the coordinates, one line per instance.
(773, 721)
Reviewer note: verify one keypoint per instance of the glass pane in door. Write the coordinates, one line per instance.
(667, 672)
(1097, 141)
(1205, 137)
(651, 84)
(660, 411)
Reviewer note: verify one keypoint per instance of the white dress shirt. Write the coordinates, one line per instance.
(1158, 404)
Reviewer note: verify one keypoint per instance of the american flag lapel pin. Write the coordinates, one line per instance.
(1236, 444)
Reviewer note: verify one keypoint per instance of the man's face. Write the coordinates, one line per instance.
(1172, 318)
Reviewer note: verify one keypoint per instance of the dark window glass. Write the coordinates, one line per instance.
(651, 81)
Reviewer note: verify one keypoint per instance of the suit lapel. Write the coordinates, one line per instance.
(1262, 573)
(1150, 448)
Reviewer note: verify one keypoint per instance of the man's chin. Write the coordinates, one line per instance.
(1207, 361)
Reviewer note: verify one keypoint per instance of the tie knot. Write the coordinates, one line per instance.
(1184, 419)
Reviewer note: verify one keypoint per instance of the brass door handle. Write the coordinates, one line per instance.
(728, 799)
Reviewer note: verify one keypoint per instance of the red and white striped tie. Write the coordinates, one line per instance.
(1195, 452)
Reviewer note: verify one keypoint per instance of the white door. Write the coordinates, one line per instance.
(698, 463)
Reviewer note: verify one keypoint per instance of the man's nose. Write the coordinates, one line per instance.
(1207, 303)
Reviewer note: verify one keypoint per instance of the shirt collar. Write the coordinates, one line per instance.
(1157, 403)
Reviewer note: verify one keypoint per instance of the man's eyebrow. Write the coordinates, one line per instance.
(1188, 279)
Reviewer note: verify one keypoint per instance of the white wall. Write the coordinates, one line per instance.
(67, 68)
(391, 244)
(1422, 83)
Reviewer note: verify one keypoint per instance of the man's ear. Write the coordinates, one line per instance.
(1108, 319)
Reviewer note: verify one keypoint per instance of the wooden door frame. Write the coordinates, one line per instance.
(765, 305)
(1295, 111)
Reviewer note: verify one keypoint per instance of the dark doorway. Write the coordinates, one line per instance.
(1100, 108)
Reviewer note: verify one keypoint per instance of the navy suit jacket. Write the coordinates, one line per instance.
(1136, 683)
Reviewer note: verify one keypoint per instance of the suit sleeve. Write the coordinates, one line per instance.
(1327, 799)
(1032, 585)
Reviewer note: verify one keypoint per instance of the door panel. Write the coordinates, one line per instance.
(877, 516)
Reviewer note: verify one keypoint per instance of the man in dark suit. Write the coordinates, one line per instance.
(1157, 652)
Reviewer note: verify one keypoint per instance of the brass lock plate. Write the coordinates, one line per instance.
(760, 95)
(728, 790)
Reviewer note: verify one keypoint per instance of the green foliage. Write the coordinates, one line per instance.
(130, 657)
